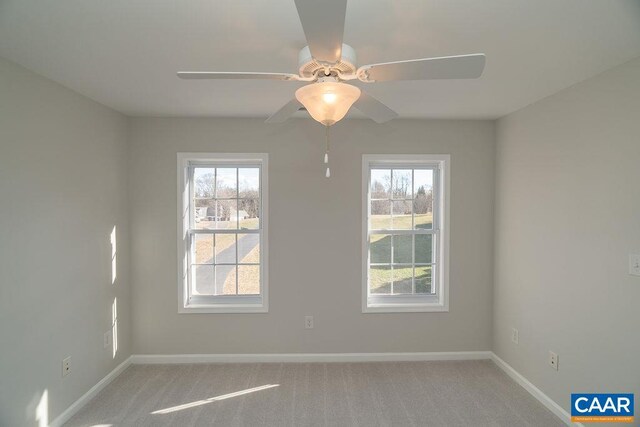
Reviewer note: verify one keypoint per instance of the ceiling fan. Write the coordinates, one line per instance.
(327, 63)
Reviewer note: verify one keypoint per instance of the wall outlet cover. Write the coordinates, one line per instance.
(308, 322)
(66, 366)
(553, 360)
(634, 264)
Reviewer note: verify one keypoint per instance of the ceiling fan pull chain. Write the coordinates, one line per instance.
(326, 153)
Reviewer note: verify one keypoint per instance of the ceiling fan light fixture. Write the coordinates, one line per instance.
(328, 102)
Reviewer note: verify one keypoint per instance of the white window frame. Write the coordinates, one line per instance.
(410, 303)
(227, 303)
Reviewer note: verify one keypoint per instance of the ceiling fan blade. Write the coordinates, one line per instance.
(374, 109)
(204, 75)
(323, 25)
(448, 67)
(285, 112)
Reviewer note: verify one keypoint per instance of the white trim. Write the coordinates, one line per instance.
(93, 391)
(307, 357)
(442, 187)
(405, 308)
(227, 308)
(549, 403)
(183, 160)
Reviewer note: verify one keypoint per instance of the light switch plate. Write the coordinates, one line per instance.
(634, 264)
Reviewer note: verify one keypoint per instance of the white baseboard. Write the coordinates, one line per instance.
(549, 403)
(85, 398)
(307, 357)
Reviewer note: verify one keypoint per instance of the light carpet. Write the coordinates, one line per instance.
(451, 393)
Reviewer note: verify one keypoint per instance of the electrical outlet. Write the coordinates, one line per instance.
(634, 264)
(66, 366)
(107, 340)
(308, 322)
(553, 360)
(514, 336)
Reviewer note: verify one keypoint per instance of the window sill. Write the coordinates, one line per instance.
(222, 308)
(405, 308)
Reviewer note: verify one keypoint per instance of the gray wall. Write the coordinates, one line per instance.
(567, 216)
(315, 238)
(62, 189)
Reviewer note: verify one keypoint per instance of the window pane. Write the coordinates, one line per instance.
(249, 210)
(380, 183)
(203, 249)
(225, 279)
(402, 184)
(402, 278)
(204, 182)
(380, 279)
(226, 183)
(424, 280)
(248, 279)
(204, 214)
(380, 249)
(402, 214)
(225, 248)
(424, 249)
(226, 202)
(227, 214)
(380, 215)
(248, 248)
(202, 279)
(249, 182)
(423, 220)
(402, 247)
(423, 199)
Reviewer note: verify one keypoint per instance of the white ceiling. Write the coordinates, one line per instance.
(124, 53)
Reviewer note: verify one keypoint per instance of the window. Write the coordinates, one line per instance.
(405, 233)
(222, 216)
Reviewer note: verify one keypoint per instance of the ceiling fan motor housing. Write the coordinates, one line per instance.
(309, 67)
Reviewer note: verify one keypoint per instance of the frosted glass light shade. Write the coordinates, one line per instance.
(328, 102)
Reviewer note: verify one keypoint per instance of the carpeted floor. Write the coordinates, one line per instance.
(465, 393)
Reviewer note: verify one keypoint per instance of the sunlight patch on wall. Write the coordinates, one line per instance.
(42, 410)
(113, 255)
(114, 325)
